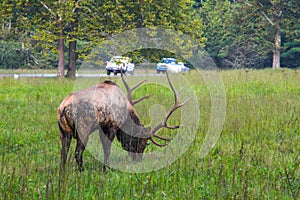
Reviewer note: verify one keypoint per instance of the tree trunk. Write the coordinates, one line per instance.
(61, 58)
(277, 46)
(72, 60)
(72, 44)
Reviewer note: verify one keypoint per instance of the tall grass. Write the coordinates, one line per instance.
(256, 157)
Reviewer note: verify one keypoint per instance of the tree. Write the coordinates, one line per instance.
(235, 39)
(175, 15)
(14, 33)
(245, 33)
(56, 26)
(275, 12)
(119, 16)
(290, 56)
(217, 22)
(71, 21)
(251, 45)
(73, 29)
(55, 29)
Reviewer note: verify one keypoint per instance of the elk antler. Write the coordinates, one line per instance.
(130, 90)
(164, 124)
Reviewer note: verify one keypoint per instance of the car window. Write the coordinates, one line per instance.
(168, 61)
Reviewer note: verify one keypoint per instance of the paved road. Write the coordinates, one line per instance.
(16, 76)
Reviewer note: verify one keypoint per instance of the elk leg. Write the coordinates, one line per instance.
(80, 146)
(106, 137)
(65, 141)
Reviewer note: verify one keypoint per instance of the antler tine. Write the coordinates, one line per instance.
(141, 99)
(164, 124)
(172, 127)
(156, 143)
(180, 91)
(130, 90)
(162, 138)
(125, 83)
(172, 88)
(138, 85)
(182, 104)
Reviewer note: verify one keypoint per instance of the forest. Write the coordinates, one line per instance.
(237, 34)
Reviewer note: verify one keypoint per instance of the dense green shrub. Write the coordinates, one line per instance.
(12, 56)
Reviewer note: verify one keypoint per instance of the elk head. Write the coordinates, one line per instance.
(136, 144)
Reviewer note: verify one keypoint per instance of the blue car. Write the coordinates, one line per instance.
(170, 65)
(162, 66)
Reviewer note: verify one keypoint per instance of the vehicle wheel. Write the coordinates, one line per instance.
(108, 73)
(115, 73)
(157, 71)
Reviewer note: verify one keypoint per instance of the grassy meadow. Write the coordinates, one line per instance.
(257, 155)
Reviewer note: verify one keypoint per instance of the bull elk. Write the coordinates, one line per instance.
(106, 108)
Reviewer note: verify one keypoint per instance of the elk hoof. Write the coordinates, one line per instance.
(81, 169)
(104, 169)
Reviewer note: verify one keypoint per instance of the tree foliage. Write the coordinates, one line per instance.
(235, 33)
(246, 33)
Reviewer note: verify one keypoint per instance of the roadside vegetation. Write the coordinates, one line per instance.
(256, 157)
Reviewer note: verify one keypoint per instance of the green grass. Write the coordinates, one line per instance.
(256, 157)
